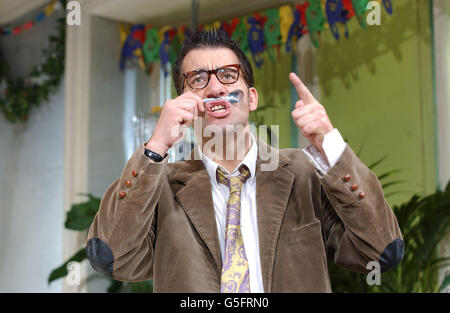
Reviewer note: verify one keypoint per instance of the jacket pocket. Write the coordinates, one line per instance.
(300, 261)
(298, 233)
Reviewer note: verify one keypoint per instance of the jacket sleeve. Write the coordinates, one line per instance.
(121, 239)
(359, 225)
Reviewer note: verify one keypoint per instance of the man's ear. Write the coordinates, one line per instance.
(252, 99)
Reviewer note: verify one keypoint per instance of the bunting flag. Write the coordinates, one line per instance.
(262, 32)
(359, 6)
(46, 12)
(336, 13)
(315, 20)
(272, 33)
(256, 40)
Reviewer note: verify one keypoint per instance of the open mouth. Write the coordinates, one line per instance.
(218, 107)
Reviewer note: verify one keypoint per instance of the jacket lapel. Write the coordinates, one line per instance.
(196, 200)
(272, 193)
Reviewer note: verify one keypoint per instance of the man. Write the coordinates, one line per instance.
(223, 224)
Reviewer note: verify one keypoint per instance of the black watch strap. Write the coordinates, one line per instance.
(153, 155)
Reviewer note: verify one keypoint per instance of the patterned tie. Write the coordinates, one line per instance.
(235, 274)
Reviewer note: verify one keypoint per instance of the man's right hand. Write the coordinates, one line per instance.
(176, 115)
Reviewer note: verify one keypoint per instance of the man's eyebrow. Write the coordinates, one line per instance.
(198, 69)
(205, 69)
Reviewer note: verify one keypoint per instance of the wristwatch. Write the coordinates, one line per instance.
(153, 155)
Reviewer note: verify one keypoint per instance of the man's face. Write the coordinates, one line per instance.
(234, 114)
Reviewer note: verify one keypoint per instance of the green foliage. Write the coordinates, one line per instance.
(62, 270)
(424, 222)
(445, 283)
(81, 215)
(80, 218)
(115, 286)
(142, 287)
(18, 96)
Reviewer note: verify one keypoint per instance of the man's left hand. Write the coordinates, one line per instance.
(309, 115)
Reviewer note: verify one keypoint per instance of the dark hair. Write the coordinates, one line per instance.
(214, 38)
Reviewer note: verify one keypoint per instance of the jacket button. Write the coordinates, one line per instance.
(122, 194)
(134, 173)
(361, 195)
(347, 177)
(128, 183)
(354, 187)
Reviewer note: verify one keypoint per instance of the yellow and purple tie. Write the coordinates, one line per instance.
(235, 273)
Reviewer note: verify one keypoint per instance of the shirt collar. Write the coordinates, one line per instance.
(249, 160)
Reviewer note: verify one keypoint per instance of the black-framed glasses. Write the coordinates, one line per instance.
(199, 79)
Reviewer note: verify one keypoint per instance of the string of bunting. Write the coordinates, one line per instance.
(267, 31)
(46, 12)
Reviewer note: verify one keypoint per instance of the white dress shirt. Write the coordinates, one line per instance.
(333, 146)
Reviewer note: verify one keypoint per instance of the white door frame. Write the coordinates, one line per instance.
(77, 83)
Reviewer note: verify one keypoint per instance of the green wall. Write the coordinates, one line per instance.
(376, 86)
(274, 95)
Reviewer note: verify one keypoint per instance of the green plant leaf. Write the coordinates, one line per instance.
(114, 286)
(142, 287)
(391, 183)
(389, 194)
(374, 164)
(387, 174)
(81, 215)
(62, 270)
(445, 283)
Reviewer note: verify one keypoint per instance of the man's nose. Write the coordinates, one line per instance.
(215, 88)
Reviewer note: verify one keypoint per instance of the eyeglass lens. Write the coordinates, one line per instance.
(199, 79)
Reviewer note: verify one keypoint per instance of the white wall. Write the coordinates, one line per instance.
(31, 176)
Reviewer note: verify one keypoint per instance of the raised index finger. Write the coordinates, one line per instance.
(302, 91)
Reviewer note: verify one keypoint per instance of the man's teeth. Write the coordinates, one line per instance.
(218, 108)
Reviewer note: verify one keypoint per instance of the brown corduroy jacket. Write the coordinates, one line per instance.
(157, 221)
